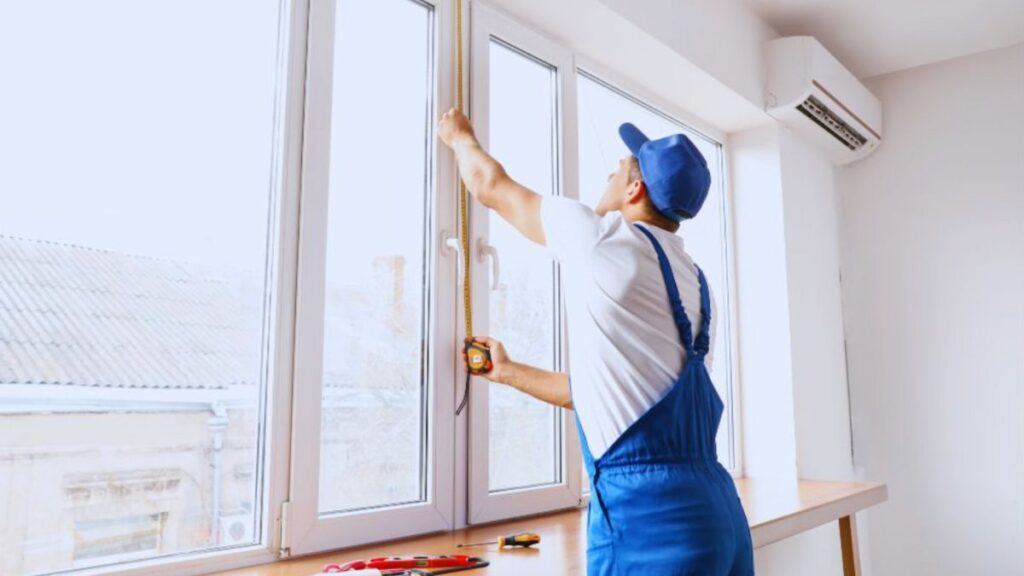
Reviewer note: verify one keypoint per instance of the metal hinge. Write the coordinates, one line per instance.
(285, 550)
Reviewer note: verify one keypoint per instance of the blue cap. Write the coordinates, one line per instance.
(674, 171)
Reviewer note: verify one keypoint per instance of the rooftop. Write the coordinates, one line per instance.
(78, 316)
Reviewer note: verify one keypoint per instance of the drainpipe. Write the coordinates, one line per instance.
(217, 424)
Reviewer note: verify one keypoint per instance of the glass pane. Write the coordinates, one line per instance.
(601, 110)
(136, 157)
(373, 436)
(524, 436)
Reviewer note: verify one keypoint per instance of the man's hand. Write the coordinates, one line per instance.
(544, 385)
(500, 362)
(454, 126)
(487, 180)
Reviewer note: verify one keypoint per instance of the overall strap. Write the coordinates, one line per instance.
(678, 312)
(702, 343)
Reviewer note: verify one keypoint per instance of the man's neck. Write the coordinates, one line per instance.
(663, 223)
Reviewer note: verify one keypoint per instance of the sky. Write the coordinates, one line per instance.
(379, 136)
(139, 127)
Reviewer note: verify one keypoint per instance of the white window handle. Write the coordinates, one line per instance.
(486, 250)
(453, 244)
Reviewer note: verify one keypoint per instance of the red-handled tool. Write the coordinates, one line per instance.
(409, 564)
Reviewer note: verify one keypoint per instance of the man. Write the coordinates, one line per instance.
(640, 322)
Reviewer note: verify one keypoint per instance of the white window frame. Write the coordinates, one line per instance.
(306, 530)
(272, 464)
(659, 105)
(485, 506)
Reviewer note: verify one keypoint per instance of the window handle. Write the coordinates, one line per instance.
(483, 250)
(453, 245)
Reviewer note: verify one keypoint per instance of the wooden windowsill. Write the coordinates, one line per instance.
(776, 509)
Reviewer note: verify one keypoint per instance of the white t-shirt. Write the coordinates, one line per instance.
(625, 352)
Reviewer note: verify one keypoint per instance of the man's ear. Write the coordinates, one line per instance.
(637, 192)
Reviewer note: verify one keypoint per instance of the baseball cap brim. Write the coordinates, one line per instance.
(633, 137)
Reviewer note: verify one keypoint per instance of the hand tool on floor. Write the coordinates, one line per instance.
(519, 540)
(409, 565)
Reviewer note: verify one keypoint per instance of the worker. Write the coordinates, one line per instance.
(640, 318)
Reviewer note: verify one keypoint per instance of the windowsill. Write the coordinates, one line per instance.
(776, 509)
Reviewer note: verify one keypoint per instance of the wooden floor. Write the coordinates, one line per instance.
(775, 509)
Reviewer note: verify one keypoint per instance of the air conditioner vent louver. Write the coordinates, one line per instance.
(812, 95)
(840, 130)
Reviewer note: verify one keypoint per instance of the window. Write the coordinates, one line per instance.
(135, 275)
(375, 344)
(524, 432)
(376, 447)
(602, 108)
(522, 452)
(229, 324)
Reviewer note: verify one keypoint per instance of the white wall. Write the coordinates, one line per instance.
(687, 76)
(765, 371)
(792, 365)
(815, 311)
(933, 284)
(818, 366)
(725, 38)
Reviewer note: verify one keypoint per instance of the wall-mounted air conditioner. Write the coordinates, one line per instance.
(812, 93)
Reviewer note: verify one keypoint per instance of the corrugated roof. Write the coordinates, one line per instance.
(86, 317)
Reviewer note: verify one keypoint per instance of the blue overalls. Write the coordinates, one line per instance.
(661, 503)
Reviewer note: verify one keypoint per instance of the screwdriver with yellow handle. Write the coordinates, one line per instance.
(520, 540)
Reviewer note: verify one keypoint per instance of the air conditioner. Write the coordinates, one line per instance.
(809, 91)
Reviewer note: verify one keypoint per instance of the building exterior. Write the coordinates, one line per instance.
(129, 394)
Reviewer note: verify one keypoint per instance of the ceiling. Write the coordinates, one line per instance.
(874, 37)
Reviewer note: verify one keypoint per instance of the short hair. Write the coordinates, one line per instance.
(634, 169)
(636, 174)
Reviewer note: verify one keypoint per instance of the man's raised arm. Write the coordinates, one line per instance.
(487, 180)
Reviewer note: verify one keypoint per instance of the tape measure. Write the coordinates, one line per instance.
(478, 356)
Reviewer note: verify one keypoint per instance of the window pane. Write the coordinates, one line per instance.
(374, 374)
(601, 110)
(136, 158)
(524, 436)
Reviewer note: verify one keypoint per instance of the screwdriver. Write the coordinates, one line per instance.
(520, 540)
